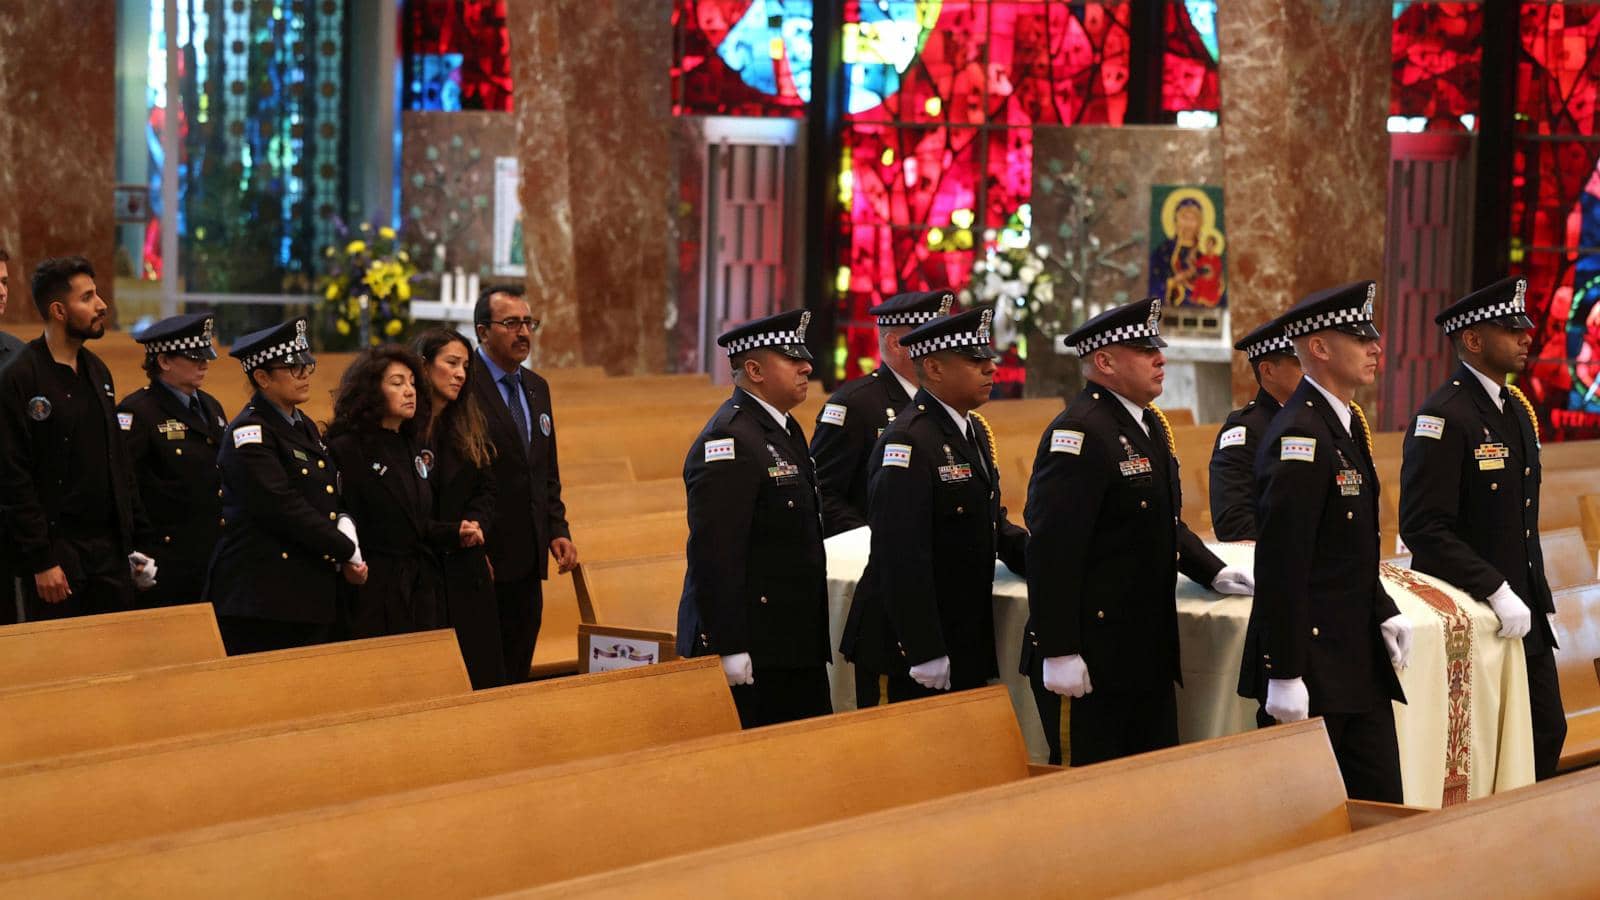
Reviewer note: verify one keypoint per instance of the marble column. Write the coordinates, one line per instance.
(57, 140)
(1305, 97)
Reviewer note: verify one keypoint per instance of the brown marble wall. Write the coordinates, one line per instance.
(1305, 96)
(57, 139)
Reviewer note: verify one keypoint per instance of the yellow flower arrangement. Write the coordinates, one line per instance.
(366, 290)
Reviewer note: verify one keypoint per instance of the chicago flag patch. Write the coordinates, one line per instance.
(1429, 427)
(719, 449)
(897, 455)
(1299, 449)
(246, 434)
(1233, 437)
(833, 414)
(1064, 441)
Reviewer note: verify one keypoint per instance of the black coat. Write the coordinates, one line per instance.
(1233, 469)
(757, 579)
(1469, 498)
(464, 492)
(847, 429)
(37, 471)
(174, 453)
(1106, 545)
(1319, 600)
(279, 554)
(388, 492)
(529, 513)
(937, 527)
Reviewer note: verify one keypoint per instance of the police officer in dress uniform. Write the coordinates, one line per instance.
(755, 592)
(1105, 548)
(1469, 495)
(172, 429)
(1233, 460)
(274, 577)
(1325, 638)
(923, 613)
(854, 417)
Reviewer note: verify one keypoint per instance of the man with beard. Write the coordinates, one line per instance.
(11, 348)
(65, 477)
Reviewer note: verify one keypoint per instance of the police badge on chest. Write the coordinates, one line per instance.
(953, 472)
(782, 472)
(1136, 467)
(1491, 454)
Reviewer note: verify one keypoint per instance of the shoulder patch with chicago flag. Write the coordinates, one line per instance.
(246, 434)
(1064, 441)
(1233, 437)
(719, 449)
(1429, 427)
(125, 420)
(1299, 449)
(897, 455)
(833, 414)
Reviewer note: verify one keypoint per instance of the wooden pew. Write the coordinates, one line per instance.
(59, 649)
(1567, 560)
(624, 499)
(636, 593)
(1091, 832)
(559, 822)
(87, 714)
(1578, 634)
(1589, 521)
(587, 470)
(181, 785)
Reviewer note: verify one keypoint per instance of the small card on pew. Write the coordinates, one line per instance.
(607, 648)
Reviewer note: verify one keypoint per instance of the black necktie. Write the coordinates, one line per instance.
(1152, 427)
(972, 442)
(514, 403)
(197, 409)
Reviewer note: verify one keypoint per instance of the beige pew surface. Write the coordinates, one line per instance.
(59, 649)
(637, 593)
(190, 783)
(1578, 634)
(226, 694)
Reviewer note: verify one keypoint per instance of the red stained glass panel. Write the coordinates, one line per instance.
(1437, 56)
(457, 55)
(1189, 77)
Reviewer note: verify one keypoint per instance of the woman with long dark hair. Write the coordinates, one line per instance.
(377, 416)
(463, 490)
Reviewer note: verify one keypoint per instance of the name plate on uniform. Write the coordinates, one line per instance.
(957, 472)
(783, 473)
(1491, 456)
(606, 648)
(1139, 465)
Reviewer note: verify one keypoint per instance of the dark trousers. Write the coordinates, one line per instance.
(1365, 746)
(10, 600)
(521, 611)
(783, 695)
(1102, 725)
(1549, 719)
(101, 582)
(241, 634)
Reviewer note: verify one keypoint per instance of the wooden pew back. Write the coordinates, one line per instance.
(651, 534)
(227, 694)
(543, 825)
(624, 499)
(1578, 633)
(1567, 560)
(36, 653)
(636, 593)
(182, 785)
(587, 470)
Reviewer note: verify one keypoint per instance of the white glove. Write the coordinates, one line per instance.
(1234, 582)
(1067, 675)
(1397, 637)
(738, 669)
(933, 674)
(143, 569)
(1287, 699)
(1515, 618)
(347, 527)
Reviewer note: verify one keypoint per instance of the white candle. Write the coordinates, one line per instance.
(472, 289)
(447, 287)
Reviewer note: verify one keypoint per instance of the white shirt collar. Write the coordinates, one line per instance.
(1340, 408)
(1490, 386)
(910, 389)
(958, 418)
(781, 418)
(1136, 411)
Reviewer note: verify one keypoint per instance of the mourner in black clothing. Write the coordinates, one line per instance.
(756, 592)
(388, 491)
(1233, 459)
(274, 578)
(854, 417)
(1325, 638)
(172, 429)
(1105, 548)
(463, 491)
(66, 483)
(1469, 492)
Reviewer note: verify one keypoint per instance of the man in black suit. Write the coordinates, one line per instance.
(530, 521)
(11, 348)
(1325, 638)
(1469, 496)
(923, 613)
(855, 416)
(1233, 459)
(755, 592)
(1106, 544)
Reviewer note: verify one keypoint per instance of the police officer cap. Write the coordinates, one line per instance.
(284, 344)
(964, 333)
(1264, 341)
(1137, 324)
(913, 308)
(784, 332)
(1346, 308)
(188, 336)
(1502, 303)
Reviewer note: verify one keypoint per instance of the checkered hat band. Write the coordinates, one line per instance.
(1116, 336)
(975, 338)
(1353, 315)
(1270, 345)
(1514, 307)
(257, 360)
(177, 345)
(767, 339)
(890, 320)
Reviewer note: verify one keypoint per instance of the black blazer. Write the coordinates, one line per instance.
(464, 492)
(529, 513)
(1469, 498)
(1106, 545)
(757, 579)
(847, 429)
(937, 527)
(279, 554)
(1319, 600)
(1233, 469)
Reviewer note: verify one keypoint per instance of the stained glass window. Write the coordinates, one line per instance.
(741, 57)
(1437, 56)
(1189, 79)
(456, 55)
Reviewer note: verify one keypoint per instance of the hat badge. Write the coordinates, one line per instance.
(945, 300)
(300, 329)
(1519, 300)
(1366, 308)
(984, 319)
(800, 330)
(1153, 321)
(205, 332)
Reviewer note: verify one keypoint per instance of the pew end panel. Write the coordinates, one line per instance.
(36, 653)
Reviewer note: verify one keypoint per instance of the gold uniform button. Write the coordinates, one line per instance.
(333, 517)
(328, 488)
(1527, 503)
(219, 493)
(305, 471)
(284, 555)
(321, 464)
(1099, 614)
(1349, 514)
(222, 522)
(763, 599)
(961, 510)
(1494, 485)
(1527, 532)
(1144, 504)
(1315, 632)
(1177, 556)
(166, 539)
(791, 504)
(1527, 470)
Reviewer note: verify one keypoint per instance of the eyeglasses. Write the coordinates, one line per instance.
(515, 325)
(297, 371)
